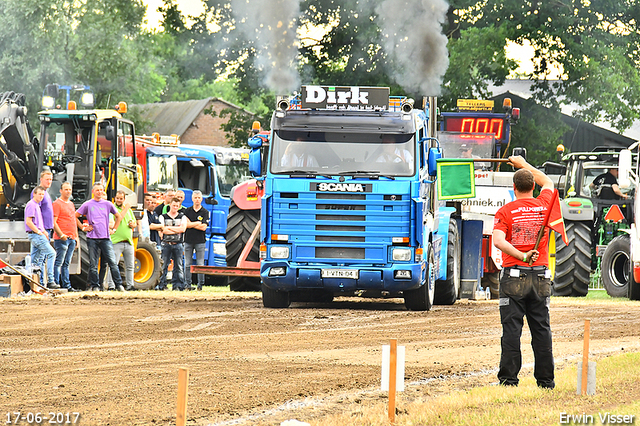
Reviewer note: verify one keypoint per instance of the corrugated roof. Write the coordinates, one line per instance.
(173, 117)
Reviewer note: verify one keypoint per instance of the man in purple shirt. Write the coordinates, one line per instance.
(34, 225)
(46, 206)
(97, 210)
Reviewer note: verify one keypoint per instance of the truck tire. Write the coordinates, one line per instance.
(147, 267)
(240, 225)
(492, 281)
(615, 267)
(421, 299)
(447, 291)
(573, 261)
(275, 299)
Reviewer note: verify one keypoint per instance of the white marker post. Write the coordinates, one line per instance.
(183, 384)
(392, 373)
(586, 369)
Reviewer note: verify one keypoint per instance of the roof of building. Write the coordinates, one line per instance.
(176, 117)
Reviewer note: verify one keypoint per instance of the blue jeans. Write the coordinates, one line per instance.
(173, 252)
(42, 253)
(64, 253)
(189, 248)
(104, 247)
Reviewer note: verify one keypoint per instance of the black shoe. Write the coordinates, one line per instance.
(53, 286)
(130, 288)
(159, 288)
(71, 289)
(120, 288)
(199, 288)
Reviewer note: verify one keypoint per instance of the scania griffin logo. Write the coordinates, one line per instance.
(341, 187)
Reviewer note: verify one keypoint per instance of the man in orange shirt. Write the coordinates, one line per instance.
(65, 235)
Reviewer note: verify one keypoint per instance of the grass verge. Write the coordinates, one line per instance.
(617, 394)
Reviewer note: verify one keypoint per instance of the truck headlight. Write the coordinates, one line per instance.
(220, 249)
(278, 272)
(279, 252)
(401, 254)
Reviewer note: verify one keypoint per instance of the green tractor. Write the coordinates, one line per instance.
(592, 221)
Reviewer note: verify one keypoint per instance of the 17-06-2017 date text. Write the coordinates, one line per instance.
(48, 418)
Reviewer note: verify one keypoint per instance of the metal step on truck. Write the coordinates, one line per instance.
(355, 203)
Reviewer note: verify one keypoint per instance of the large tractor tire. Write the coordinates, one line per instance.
(240, 225)
(421, 299)
(573, 261)
(275, 299)
(147, 267)
(615, 268)
(447, 291)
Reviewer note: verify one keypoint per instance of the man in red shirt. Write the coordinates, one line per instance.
(65, 236)
(524, 289)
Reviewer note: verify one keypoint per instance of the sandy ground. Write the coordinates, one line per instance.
(114, 358)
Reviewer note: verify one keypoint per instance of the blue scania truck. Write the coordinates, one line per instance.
(350, 204)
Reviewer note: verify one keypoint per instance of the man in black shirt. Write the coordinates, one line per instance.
(195, 237)
(174, 223)
(606, 186)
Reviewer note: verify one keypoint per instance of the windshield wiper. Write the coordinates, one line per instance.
(373, 174)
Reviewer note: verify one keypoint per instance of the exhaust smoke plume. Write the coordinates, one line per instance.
(272, 25)
(413, 39)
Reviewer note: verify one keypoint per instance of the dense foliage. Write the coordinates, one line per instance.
(249, 52)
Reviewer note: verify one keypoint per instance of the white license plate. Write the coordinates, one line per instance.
(340, 273)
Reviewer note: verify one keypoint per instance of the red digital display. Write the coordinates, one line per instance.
(475, 125)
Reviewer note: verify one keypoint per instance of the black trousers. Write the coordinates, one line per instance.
(526, 295)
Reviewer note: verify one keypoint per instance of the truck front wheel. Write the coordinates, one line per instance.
(275, 299)
(447, 291)
(421, 299)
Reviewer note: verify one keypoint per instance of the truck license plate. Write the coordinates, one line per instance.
(340, 273)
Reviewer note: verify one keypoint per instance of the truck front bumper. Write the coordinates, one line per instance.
(284, 276)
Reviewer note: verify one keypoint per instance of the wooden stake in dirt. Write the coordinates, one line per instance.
(183, 384)
(393, 359)
(585, 356)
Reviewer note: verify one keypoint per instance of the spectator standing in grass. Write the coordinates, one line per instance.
(195, 237)
(42, 251)
(122, 240)
(65, 237)
(174, 224)
(97, 211)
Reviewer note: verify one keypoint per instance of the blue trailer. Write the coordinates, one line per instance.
(350, 203)
(214, 171)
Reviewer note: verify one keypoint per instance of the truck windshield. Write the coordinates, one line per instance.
(230, 175)
(162, 172)
(333, 153)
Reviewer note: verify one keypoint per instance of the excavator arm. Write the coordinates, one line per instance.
(18, 149)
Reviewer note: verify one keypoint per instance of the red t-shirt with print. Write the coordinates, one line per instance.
(521, 220)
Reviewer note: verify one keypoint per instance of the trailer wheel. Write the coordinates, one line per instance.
(447, 291)
(240, 225)
(615, 267)
(421, 299)
(147, 267)
(274, 298)
(573, 261)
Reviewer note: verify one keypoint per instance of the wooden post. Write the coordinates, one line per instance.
(183, 384)
(585, 356)
(393, 360)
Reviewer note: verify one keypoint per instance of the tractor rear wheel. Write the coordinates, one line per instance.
(240, 225)
(447, 291)
(147, 267)
(573, 261)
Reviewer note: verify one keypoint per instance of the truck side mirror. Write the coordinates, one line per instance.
(255, 162)
(624, 168)
(434, 155)
(211, 200)
(110, 133)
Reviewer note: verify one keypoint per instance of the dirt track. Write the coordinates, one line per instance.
(114, 358)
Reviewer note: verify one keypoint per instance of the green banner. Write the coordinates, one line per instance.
(455, 179)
